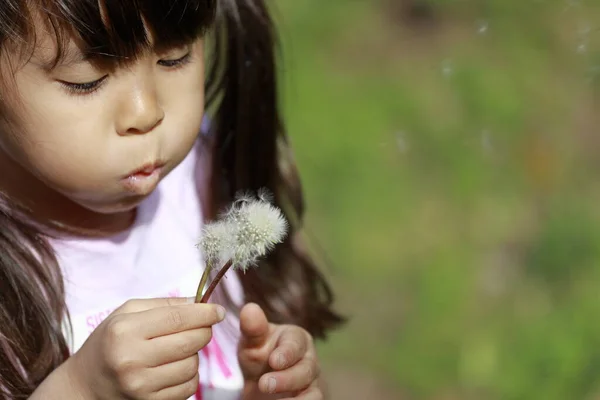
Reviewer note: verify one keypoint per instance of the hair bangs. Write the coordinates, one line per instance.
(120, 30)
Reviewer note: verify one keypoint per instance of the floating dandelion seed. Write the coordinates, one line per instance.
(245, 233)
(402, 142)
(482, 27)
(584, 29)
(447, 68)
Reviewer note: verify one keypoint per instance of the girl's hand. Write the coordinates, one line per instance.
(146, 349)
(278, 361)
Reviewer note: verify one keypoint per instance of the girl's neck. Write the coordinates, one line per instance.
(50, 208)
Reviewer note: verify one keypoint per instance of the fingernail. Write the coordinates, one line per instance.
(271, 384)
(281, 361)
(221, 313)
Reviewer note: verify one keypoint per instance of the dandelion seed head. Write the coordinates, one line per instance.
(248, 230)
(214, 241)
(259, 226)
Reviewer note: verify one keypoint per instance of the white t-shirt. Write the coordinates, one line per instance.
(157, 257)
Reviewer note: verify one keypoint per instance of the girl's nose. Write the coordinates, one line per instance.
(140, 111)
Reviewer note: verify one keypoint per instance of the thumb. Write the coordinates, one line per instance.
(254, 326)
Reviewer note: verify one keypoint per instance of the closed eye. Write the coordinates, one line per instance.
(178, 62)
(83, 87)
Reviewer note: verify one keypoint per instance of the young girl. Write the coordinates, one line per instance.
(107, 174)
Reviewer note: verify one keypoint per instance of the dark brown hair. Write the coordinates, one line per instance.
(250, 152)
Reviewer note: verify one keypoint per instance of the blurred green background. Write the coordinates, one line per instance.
(449, 153)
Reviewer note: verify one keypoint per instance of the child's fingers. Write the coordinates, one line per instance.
(172, 374)
(139, 305)
(292, 346)
(311, 393)
(168, 320)
(254, 326)
(170, 348)
(182, 391)
(296, 378)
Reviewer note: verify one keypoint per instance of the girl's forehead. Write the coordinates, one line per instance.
(46, 48)
(42, 42)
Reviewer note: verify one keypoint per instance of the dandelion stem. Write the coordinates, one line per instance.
(215, 282)
(203, 282)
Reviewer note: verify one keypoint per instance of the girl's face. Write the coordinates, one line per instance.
(99, 137)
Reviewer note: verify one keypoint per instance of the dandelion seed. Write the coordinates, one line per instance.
(401, 142)
(447, 68)
(482, 27)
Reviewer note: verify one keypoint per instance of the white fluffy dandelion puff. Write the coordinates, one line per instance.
(214, 242)
(257, 226)
(249, 230)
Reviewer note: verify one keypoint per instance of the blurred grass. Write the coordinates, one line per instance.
(451, 175)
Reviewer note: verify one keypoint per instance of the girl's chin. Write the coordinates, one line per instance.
(125, 204)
